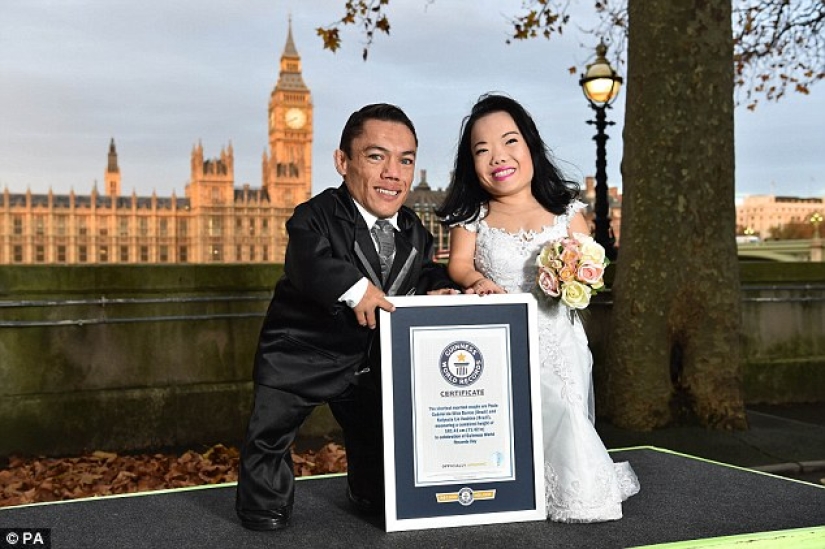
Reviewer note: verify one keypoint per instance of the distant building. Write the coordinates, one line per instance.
(614, 207)
(213, 222)
(424, 201)
(759, 213)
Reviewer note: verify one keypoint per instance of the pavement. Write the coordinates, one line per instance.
(787, 440)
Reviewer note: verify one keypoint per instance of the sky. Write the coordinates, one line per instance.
(160, 76)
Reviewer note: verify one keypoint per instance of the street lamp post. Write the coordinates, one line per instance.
(601, 85)
(816, 241)
(816, 219)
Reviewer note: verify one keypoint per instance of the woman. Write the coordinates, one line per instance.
(507, 200)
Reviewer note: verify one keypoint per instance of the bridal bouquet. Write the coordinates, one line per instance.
(572, 269)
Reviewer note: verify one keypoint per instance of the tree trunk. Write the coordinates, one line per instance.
(674, 345)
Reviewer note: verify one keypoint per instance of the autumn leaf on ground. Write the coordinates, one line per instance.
(39, 479)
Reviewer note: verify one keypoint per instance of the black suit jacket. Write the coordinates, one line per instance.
(310, 342)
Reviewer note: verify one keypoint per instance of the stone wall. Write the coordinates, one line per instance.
(133, 358)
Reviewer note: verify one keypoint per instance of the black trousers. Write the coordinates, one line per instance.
(265, 478)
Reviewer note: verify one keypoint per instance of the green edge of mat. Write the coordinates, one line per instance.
(799, 538)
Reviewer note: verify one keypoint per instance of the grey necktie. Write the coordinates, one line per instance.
(385, 237)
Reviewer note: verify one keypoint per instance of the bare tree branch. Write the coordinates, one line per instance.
(370, 15)
(779, 45)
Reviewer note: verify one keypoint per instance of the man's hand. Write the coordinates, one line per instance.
(365, 310)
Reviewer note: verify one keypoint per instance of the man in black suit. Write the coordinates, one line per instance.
(318, 342)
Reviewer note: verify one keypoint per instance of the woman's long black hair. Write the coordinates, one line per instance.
(465, 194)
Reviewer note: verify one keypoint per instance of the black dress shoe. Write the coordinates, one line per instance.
(263, 521)
(363, 505)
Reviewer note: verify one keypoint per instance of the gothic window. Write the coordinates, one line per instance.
(103, 254)
(183, 256)
(214, 226)
(124, 254)
(18, 225)
(61, 254)
(82, 254)
(144, 254)
(39, 254)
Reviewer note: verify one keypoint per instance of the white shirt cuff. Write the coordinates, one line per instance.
(355, 294)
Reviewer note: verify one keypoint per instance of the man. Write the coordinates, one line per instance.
(318, 342)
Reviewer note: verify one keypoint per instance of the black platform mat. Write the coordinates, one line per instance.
(682, 498)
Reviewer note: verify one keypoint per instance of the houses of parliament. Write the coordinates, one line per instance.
(213, 222)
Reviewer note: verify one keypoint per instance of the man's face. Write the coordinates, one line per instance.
(380, 172)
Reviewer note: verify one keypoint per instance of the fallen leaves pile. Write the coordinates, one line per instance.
(35, 480)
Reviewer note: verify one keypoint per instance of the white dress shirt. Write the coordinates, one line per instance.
(355, 294)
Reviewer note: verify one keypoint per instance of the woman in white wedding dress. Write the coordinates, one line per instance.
(505, 201)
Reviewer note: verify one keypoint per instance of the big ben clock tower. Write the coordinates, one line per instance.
(287, 169)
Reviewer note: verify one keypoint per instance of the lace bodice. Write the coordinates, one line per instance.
(509, 259)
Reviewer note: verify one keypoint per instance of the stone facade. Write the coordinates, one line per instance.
(424, 200)
(614, 207)
(759, 213)
(213, 223)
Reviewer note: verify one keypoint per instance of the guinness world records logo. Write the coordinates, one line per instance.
(461, 363)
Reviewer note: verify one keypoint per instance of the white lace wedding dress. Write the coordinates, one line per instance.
(583, 484)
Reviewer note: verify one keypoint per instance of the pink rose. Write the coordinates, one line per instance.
(590, 273)
(548, 283)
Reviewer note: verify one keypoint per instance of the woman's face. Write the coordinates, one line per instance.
(502, 159)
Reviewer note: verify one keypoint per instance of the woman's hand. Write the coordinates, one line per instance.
(484, 286)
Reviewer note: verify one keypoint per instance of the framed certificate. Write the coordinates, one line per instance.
(461, 411)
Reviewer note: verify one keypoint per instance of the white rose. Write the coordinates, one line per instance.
(592, 251)
(575, 295)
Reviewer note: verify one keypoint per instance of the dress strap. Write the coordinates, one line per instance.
(573, 208)
(472, 224)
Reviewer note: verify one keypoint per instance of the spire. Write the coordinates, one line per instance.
(112, 158)
(289, 49)
(290, 78)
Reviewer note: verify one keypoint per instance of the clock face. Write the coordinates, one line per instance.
(295, 118)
